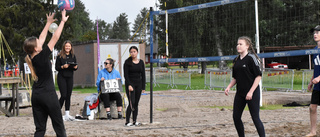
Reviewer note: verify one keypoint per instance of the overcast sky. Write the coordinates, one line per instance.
(109, 10)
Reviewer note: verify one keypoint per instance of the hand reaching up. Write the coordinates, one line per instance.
(50, 18)
(64, 18)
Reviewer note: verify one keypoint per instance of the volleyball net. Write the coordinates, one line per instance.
(208, 32)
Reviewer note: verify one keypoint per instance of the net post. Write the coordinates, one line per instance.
(258, 44)
(151, 64)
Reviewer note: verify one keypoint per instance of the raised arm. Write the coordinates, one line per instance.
(50, 20)
(58, 32)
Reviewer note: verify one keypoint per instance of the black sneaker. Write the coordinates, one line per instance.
(120, 116)
(109, 117)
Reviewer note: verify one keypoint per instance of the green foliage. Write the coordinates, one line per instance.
(143, 24)
(80, 23)
(120, 28)
(20, 19)
(205, 32)
(104, 29)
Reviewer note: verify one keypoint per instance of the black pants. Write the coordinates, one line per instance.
(254, 108)
(43, 105)
(65, 86)
(134, 98)
(107, 97)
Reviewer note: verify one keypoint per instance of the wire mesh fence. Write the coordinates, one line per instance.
(181, 77)
(278, 79)
(306, 76)
(162, 76)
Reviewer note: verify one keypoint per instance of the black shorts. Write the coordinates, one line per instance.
(315, 97)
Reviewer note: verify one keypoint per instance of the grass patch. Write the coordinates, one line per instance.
(197, 83)
(161, 109)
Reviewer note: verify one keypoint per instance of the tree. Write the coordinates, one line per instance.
(141, 24)
(80, 23)
(104, 29)
(21, 19)
(120, 28)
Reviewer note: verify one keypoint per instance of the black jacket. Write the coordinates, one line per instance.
(67, 72)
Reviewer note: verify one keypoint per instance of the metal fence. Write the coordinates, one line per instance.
(207, 77)
(215, 78)
(306, 77)
(181, 77)
(148, 75)
(278, 79)
(162, 76)
(220, 78)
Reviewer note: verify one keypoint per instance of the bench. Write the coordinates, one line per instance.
(5, 109)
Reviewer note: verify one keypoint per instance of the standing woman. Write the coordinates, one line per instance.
(65, 65)
(44, 98)
(247, 75)
(135, 80)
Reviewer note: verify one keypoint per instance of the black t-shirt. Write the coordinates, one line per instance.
(67, 72)
(42, 66)
(134, 73)
(245, 71)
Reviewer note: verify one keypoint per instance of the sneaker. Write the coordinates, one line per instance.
(68, 118)
(109, 117)
(120, 116)
(137, 124)
(128, 124)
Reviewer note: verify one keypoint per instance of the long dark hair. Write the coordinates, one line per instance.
(62, 53)
(129, 60)
(28, 46)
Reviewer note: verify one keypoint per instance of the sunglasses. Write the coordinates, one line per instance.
(106, 63)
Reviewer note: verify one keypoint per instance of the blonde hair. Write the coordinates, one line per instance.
(28, 46)
(62, 53)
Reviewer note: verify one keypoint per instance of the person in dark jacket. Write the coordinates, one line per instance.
(44, 98)
(135, 83)
(66, 63)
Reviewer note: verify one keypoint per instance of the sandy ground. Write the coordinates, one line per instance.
(178, 113)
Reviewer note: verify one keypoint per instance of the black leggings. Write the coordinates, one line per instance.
(254, 108)
(43, 105)
(65, 86)
(107, 97)
(134, 98)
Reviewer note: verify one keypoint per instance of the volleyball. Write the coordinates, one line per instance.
(53, 27)
(68, 5)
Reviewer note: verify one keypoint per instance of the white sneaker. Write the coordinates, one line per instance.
(68, 118)
(137, 124)
(128, 124)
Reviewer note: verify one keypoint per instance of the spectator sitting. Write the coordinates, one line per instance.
(109, 73)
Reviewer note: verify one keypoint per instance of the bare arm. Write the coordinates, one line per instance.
(58, 32)
(310, 84)
(50, 20)
(232, 83)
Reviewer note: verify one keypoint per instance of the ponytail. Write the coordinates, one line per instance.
(249, 42)
(33, 73)
(28, 46)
